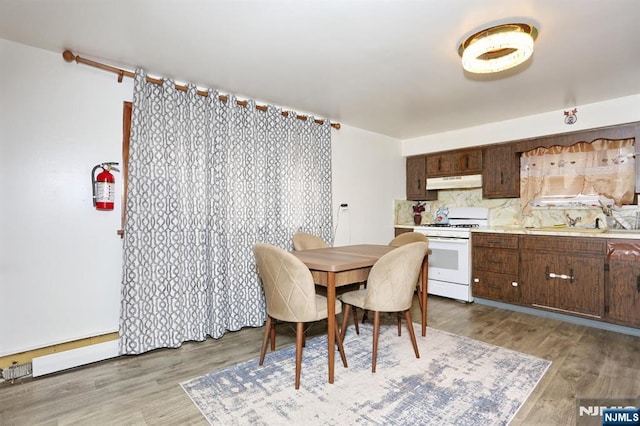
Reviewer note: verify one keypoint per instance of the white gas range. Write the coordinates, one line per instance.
(450, 244)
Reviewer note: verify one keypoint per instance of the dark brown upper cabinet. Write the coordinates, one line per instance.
(454, 163)
(501, 172)
(416, 179)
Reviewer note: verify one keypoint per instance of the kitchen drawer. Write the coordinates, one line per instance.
(495, 260)
(499, 287)
(564, 244)
(495, 240)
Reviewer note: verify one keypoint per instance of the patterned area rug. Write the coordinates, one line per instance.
(456, 381)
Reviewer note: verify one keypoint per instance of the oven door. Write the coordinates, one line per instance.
(449, 260)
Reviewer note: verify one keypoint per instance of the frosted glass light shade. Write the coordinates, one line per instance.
(497, 48)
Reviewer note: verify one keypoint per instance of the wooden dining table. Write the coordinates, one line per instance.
(333, 267)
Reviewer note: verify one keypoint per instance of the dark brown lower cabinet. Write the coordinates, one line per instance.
(398, 231)
(495, 267)
(589, 277)
(622, 296)
(571, 284)
(564, 274)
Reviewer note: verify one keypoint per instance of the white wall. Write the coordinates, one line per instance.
(368, 175)
(60, 259)
(590, 116)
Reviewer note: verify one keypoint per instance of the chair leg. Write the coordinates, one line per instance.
(272, 331)
(355, 319)
(365, 314)
(340, 347)
(407, 314)
(419, 292)
(304, 335)
(265, 339)
(399, 323)
(376, 334)
(299, 340)
(345, 318)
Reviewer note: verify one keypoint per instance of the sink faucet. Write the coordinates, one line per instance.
(573, 222)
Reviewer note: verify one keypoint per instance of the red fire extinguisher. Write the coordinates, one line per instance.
(103, 186)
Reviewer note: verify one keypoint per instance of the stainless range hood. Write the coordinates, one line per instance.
(455, 182)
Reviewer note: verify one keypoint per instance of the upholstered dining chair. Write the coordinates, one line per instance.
(400, 240)
(406, 238)
(304, 241)
(291, 297)
(390, 288)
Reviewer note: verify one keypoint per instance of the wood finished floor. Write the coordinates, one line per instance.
(144, 390)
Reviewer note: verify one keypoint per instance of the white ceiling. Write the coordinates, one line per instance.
(391, 67)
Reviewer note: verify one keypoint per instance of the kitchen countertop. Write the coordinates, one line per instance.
(568, 232)
(406, 226)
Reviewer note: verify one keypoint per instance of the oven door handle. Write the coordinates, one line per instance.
(449, 240)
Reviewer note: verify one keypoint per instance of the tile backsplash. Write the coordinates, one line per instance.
(506, 211)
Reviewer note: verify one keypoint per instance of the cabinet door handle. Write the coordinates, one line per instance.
(501, 178)
(418, 184)
(561, 276)
(638, 283)
(494, 261)
(569, 277)
(514, 284)
(439, 164)
(466, 160)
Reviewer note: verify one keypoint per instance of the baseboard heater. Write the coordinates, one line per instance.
(48, 364)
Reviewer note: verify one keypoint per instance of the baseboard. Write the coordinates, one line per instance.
(48, 364)
(562, 317)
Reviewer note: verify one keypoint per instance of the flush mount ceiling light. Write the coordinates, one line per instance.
(497, 48)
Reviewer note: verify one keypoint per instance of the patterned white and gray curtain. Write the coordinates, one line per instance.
(208, 179)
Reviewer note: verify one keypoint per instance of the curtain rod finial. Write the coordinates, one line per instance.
(68, 56)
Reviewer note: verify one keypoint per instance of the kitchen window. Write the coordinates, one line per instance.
(580, 174)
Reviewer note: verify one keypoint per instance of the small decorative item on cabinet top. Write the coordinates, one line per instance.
(418, 208)
(570, 117)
